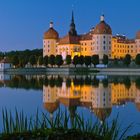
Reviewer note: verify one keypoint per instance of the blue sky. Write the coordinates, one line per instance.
(23, 22)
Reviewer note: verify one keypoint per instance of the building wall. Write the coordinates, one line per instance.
(4, 66)
(49, 47)
(120, 49)
(138, 45)
(102, 45)
(69, 49)
(87, 47)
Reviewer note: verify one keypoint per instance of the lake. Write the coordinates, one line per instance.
(97, 97)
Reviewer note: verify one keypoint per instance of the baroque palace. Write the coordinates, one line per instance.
(98, 40)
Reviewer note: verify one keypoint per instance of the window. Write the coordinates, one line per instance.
(104, 47)
(104, 42)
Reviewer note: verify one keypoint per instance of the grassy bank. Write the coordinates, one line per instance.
(62, 126)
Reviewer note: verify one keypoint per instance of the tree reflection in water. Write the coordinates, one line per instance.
(97, 93)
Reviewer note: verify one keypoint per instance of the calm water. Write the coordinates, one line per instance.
(99, 97)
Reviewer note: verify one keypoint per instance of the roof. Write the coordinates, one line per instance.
(5, 60)
(70, 101)
(102, 113)
(102, 28)
(138, 106)
(124, 40)
(87, 36)
(138, 35)
(69, 39)
(51, 34)
(51, 107)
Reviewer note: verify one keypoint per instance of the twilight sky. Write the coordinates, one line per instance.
(23, 22)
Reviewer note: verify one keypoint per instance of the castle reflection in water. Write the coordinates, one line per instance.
(97, 93)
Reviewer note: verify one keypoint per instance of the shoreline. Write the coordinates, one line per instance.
(73, 71)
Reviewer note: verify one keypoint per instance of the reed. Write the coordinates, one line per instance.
(43, 125)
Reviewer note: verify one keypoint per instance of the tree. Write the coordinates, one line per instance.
(15, 61)
(81, 60)
(116, 61)
(127, 60)
(51, 60)
(68, 59)
(137, 59)
(32, 60)
(87, 60)
(105, 59)
(58, 60)
(127, 82)
(95, 60)
(40, 60)
(45, 60)
(23, 61)
(75, 60)
(105, 83)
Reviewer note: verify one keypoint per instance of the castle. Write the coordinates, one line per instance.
(98, 40)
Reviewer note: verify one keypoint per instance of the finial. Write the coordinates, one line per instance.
(51, 24)
(102, 18)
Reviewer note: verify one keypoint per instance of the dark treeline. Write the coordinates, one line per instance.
(21, 58)
(37, 82)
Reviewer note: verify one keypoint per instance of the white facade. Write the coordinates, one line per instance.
(4, 66)
(138, 45)
(102, 45)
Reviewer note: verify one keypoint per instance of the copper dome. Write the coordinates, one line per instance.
(51, 107)
(102, 113)
(102, 27)
(51, 33)
(138, 35)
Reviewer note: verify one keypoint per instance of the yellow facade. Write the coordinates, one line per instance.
(69, 49)
(87, 48)
(122, 94)
(50, 47)
(122, 47)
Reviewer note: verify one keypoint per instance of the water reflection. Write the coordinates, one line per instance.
(97, 93)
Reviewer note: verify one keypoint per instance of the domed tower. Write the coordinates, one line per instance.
(102, 36)
(138, 41)
(50, 41)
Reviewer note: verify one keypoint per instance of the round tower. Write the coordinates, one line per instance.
(50, 41)
(102, 36)
(137, 40)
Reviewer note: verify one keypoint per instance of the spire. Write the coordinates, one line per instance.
(72, 20)
(72, 31)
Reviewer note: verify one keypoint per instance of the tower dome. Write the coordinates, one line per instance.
(51, 33)
(102, 27)
(138, 35)
(51, 107)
